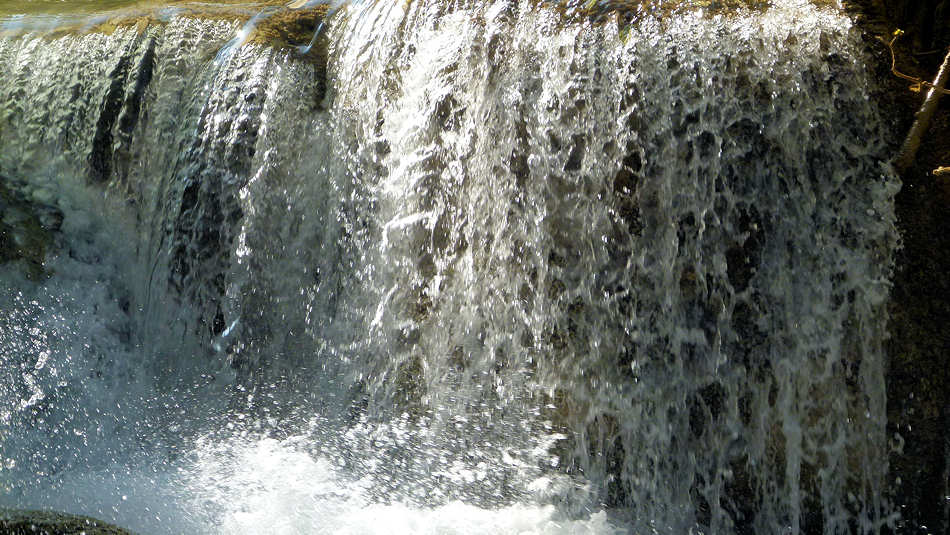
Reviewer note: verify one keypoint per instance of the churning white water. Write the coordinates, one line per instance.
(454, 268)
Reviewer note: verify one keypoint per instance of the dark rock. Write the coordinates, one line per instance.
(23, 522)
(25, 231)
(918, 398)
(919, 365)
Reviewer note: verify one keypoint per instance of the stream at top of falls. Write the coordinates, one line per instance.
(444, 268)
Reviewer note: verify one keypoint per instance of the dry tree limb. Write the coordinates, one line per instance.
(905, 158)
(941, 171)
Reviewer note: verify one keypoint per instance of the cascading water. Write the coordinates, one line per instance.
(454, 268)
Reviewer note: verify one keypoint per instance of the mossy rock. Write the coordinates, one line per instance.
(24, 522)
(280, 26)
(289, 27)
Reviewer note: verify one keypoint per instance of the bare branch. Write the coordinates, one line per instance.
(918, 83)
(905, 158)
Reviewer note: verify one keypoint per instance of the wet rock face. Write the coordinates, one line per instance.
(25, 231)
(918, 408)
(918, 399)
(20, 522)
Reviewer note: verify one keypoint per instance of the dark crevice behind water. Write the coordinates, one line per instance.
(480, 271)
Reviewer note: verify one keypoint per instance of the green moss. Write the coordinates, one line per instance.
(22, 522)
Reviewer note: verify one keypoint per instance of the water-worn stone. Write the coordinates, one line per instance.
(24, 522)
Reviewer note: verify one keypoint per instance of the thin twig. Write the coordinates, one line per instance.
(918, 82)
(929, 52)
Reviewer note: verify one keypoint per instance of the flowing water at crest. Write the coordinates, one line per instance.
(465, 269)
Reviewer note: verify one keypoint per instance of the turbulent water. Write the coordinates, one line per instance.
(460, 268)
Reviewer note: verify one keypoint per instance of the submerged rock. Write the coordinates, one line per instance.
(23, 522)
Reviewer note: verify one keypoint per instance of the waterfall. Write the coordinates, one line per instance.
(445, 267)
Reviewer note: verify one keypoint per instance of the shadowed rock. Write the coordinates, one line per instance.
(21, 522)
(25, 231)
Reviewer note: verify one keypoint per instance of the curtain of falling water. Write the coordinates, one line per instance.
(680, 237)
(552, 262)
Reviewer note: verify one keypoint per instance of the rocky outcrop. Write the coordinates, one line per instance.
(22, 522)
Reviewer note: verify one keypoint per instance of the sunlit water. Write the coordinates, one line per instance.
(481, 272)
